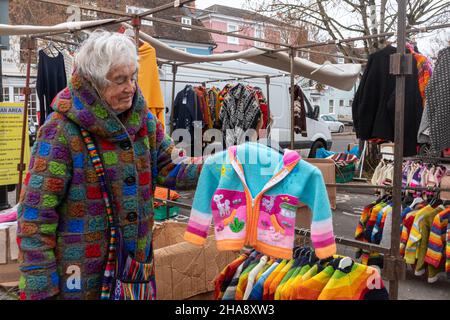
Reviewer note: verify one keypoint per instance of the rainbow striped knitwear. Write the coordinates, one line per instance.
(312, 288)
(271, 277)
(438, 252)
(425, 229)
(277, 280)
(252, 193)
(295, 268)
(415, 236)
(287, 289)
(224, 278)
(62, 223)
(258, 289)
(252, 276)
(243, 279)
(361, 283)
(406, 229)
(230, 292)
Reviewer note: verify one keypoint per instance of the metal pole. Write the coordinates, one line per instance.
(4, 204)
(27, 91)
(268, 108)
(136, 23)
(398, 64)
(167, 204)
(363, 158)
(292, 55)
(174, 78)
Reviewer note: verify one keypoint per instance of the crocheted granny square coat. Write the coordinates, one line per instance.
(62, 224)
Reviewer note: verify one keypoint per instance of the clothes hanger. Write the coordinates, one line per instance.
(345, 263)
(416, 201)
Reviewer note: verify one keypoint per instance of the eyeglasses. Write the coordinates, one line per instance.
(121, 80)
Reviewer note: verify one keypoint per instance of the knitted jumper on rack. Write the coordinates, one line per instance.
(252, 193)
(62, 223)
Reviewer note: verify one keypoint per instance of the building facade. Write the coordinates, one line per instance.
(249, 23)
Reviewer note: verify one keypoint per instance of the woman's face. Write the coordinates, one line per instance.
(120, 91)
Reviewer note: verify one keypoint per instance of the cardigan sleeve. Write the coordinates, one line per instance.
(316, 198)
(436, 242)
(201, 213)
(174, 170)
(44, 188)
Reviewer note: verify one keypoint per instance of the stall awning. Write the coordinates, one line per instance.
(340, 76)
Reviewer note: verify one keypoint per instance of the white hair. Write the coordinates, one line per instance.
(103, 51)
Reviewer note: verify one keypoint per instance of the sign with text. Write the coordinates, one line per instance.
(11, 118)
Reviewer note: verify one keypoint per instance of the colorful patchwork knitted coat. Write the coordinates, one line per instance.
(62, 224)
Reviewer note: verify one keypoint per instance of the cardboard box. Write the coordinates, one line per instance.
(184, 270)
(445, 184)
(9, 251)
(326, 166)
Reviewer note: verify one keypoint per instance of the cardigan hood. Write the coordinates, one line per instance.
(81, 103)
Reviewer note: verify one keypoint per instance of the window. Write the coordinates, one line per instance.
(90, 13)
(331, 110)
(137, 10)
(315, 100)
(233, 28)
(350, 102)
(186, 21)
(259, 33)
(341, 103)
(6, 94)
(331, 104)
(340, 60)
(19, 96)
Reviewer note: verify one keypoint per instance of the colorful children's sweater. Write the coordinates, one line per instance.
(224, 278)
(252, 193)
(415, 236)
(258, 289)
(252, 276)
(312, 288)
(425, 229)
(360, 283)
(271, 278)
(243, 278)
(438, 251)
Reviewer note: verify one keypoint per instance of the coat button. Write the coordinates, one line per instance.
(125, 145)
(131, 216)
(130, 181)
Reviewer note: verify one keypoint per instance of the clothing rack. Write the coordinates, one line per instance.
(394, 264)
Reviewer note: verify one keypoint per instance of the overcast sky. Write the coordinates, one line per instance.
(425, 41)
(202, 4)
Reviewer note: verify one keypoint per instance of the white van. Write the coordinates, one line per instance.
(318, 134)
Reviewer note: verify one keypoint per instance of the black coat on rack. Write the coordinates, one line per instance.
(373, 107)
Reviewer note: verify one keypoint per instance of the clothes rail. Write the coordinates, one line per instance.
(372, 186)
(301, 231)
(348, 242)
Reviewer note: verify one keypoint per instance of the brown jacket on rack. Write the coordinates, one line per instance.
(299, 112)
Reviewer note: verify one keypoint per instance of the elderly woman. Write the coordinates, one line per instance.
(76, 222)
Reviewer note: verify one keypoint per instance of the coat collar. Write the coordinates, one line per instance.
(81, 103)
(288, 163)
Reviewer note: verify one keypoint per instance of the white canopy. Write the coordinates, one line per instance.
(340, 76)
(7, 30)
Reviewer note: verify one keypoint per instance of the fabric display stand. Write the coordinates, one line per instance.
(394, 266)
